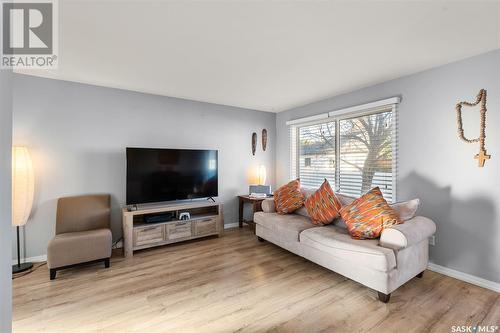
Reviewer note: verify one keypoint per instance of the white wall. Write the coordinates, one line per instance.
(5, 200)
(434, 164)
(77, 135)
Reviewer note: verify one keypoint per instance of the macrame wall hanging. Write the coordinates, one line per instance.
(480, 99)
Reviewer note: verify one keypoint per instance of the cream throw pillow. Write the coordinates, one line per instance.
(406, 209)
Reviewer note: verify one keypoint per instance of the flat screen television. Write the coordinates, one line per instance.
(156, 175)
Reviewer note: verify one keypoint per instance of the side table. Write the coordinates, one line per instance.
(256, 206)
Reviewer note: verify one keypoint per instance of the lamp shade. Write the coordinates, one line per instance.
(262, 175)
(23, 185)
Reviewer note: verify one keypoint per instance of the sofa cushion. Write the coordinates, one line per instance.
(302, 211)
(345, 199)
(337, 222)
(288, 197)
(77, 247)
(287, 226)
(406, 209)
(323, 206)
(337, 242)
(307, 192)
(268, 206)
(368, 215)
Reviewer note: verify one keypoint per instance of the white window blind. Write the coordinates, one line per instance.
(354, 151)
(316, 154)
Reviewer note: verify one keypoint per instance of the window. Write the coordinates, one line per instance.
(354, 151)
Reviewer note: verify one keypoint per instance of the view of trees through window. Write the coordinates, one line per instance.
(366, 154)
(316, 150)
(365, 148)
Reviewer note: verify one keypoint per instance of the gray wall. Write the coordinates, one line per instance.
(5, 200)
(434, 164)
(77, 135)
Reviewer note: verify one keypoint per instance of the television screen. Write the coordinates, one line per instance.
(156, 175)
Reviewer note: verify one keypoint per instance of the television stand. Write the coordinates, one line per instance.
(206, 220)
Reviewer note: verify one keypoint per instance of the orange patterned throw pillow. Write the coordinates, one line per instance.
(323, 206)
(367, 216)
(288, 198)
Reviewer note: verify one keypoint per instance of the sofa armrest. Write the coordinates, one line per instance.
(268, 206)
(411, 232)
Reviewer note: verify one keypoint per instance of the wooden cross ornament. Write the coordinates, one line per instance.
(482, 157)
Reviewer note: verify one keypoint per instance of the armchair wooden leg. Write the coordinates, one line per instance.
(106, 263)
(53, 274)
(384, 298)
(260, 239)
(420, 275)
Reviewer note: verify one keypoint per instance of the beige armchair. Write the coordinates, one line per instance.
(82, 233)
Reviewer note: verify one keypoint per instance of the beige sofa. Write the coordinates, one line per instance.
(384, 264)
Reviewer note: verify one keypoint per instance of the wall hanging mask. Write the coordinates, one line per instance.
(264, 139)
(254, 142)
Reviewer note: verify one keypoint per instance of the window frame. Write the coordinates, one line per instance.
(337, 117)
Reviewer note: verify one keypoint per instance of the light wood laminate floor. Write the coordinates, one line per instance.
(235, 283)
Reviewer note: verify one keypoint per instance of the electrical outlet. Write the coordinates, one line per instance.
(432, 240)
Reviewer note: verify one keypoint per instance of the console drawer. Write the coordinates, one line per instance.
(205, 226)
(179, 230)
(148, 235)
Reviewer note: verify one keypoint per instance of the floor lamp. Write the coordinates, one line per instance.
(23, 189)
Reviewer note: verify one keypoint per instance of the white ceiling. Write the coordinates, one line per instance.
(264, 55)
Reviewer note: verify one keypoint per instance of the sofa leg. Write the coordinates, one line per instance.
(53, 273)
(420, 275)
(384, 298)
(106, 263)
(260, 239)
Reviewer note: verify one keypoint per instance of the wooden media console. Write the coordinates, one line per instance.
(206, 220)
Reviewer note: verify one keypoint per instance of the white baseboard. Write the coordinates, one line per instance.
(495, 286)
(41, 258)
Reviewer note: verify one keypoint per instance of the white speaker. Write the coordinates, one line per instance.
(265, 189)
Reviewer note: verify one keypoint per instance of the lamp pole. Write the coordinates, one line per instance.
(24, 266)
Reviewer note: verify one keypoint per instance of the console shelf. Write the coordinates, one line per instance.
(206, 220)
